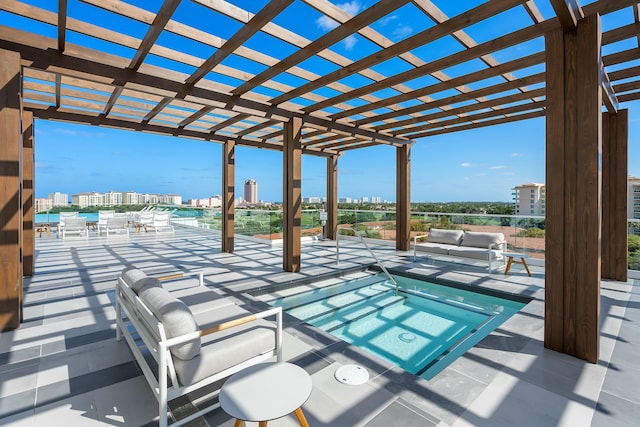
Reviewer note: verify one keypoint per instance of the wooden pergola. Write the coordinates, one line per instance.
(209, 70)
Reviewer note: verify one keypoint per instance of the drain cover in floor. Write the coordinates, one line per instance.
(352, 374)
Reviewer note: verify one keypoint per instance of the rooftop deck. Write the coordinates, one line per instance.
(63, 366)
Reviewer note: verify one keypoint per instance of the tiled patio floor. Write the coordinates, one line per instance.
(64, 367)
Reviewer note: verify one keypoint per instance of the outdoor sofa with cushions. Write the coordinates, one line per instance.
(463, 244)
(189, 338)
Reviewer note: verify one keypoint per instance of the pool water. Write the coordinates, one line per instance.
(421, 328)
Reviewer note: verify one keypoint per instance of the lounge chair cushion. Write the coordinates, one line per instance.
(200, 299)
(148, 282)
(436, 248)
(448, 237)
(478, 239)
(176, 318)
(474, 253)
(131, 275)
(227, 348)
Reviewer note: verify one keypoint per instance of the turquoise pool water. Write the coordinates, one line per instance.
(44, 218)
(422, 328)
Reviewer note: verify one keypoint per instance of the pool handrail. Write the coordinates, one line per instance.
(382, 267)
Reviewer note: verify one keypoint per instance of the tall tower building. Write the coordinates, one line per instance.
(251, 191)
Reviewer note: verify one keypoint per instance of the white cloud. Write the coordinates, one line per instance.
(350, 42)
(326, 24)
(401, 32)
(517, 154)
(497, 167)
(388, 19)
(465, 165)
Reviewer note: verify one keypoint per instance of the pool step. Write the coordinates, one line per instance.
(348, 307)
(308, 294)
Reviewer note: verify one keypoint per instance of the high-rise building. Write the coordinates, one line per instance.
(530, 199)
(633, 198)
(59, 199)
(43, 205)
(251, 191)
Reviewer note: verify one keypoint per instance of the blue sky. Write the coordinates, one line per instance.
(478, 165)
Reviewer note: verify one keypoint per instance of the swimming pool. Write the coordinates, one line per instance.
(421, 327)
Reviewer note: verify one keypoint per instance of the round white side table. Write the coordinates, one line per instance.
(265, 392)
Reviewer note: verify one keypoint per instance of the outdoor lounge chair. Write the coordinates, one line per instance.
(75, 226)
(63, 218)
(117, 225)
(145, 220)
(162, 221)
(102, 219)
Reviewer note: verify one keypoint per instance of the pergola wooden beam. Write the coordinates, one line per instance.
(467, 110)
(62, 24)
(486, 73)
(266, 14)
(568, 12)
(485, 123)
(105, 72)
(499, 88)
(481, 12)
(160, 21)
(369, 15)
(97, 120)
(473, 118)
(608, 94)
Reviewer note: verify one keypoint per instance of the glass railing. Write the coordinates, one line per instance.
(262, 224)
(524, 234)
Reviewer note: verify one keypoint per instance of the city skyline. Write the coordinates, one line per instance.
(452, 167)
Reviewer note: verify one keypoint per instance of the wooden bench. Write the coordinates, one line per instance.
(195, 337)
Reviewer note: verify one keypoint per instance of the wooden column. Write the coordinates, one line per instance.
(331, 228)
(615, 130)
(28, 187)
(572, 254)
(228, 195)
(292, 194)
(403, 198)
(10, 182)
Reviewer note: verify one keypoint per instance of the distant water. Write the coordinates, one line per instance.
(43, 217)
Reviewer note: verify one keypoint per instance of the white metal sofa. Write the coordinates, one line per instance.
(192, 337)
(463, 244)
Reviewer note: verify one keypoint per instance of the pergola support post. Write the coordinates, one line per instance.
(403, 197)
(331, 227)
(292, 194)
(573, 211)
(10, 191)
(615, 130)
(228, 195)
(28, 188)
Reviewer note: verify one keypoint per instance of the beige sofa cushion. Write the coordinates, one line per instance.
(227, 348)
(478, 239)
(448, 237)
(131, 275)
(176, 318)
